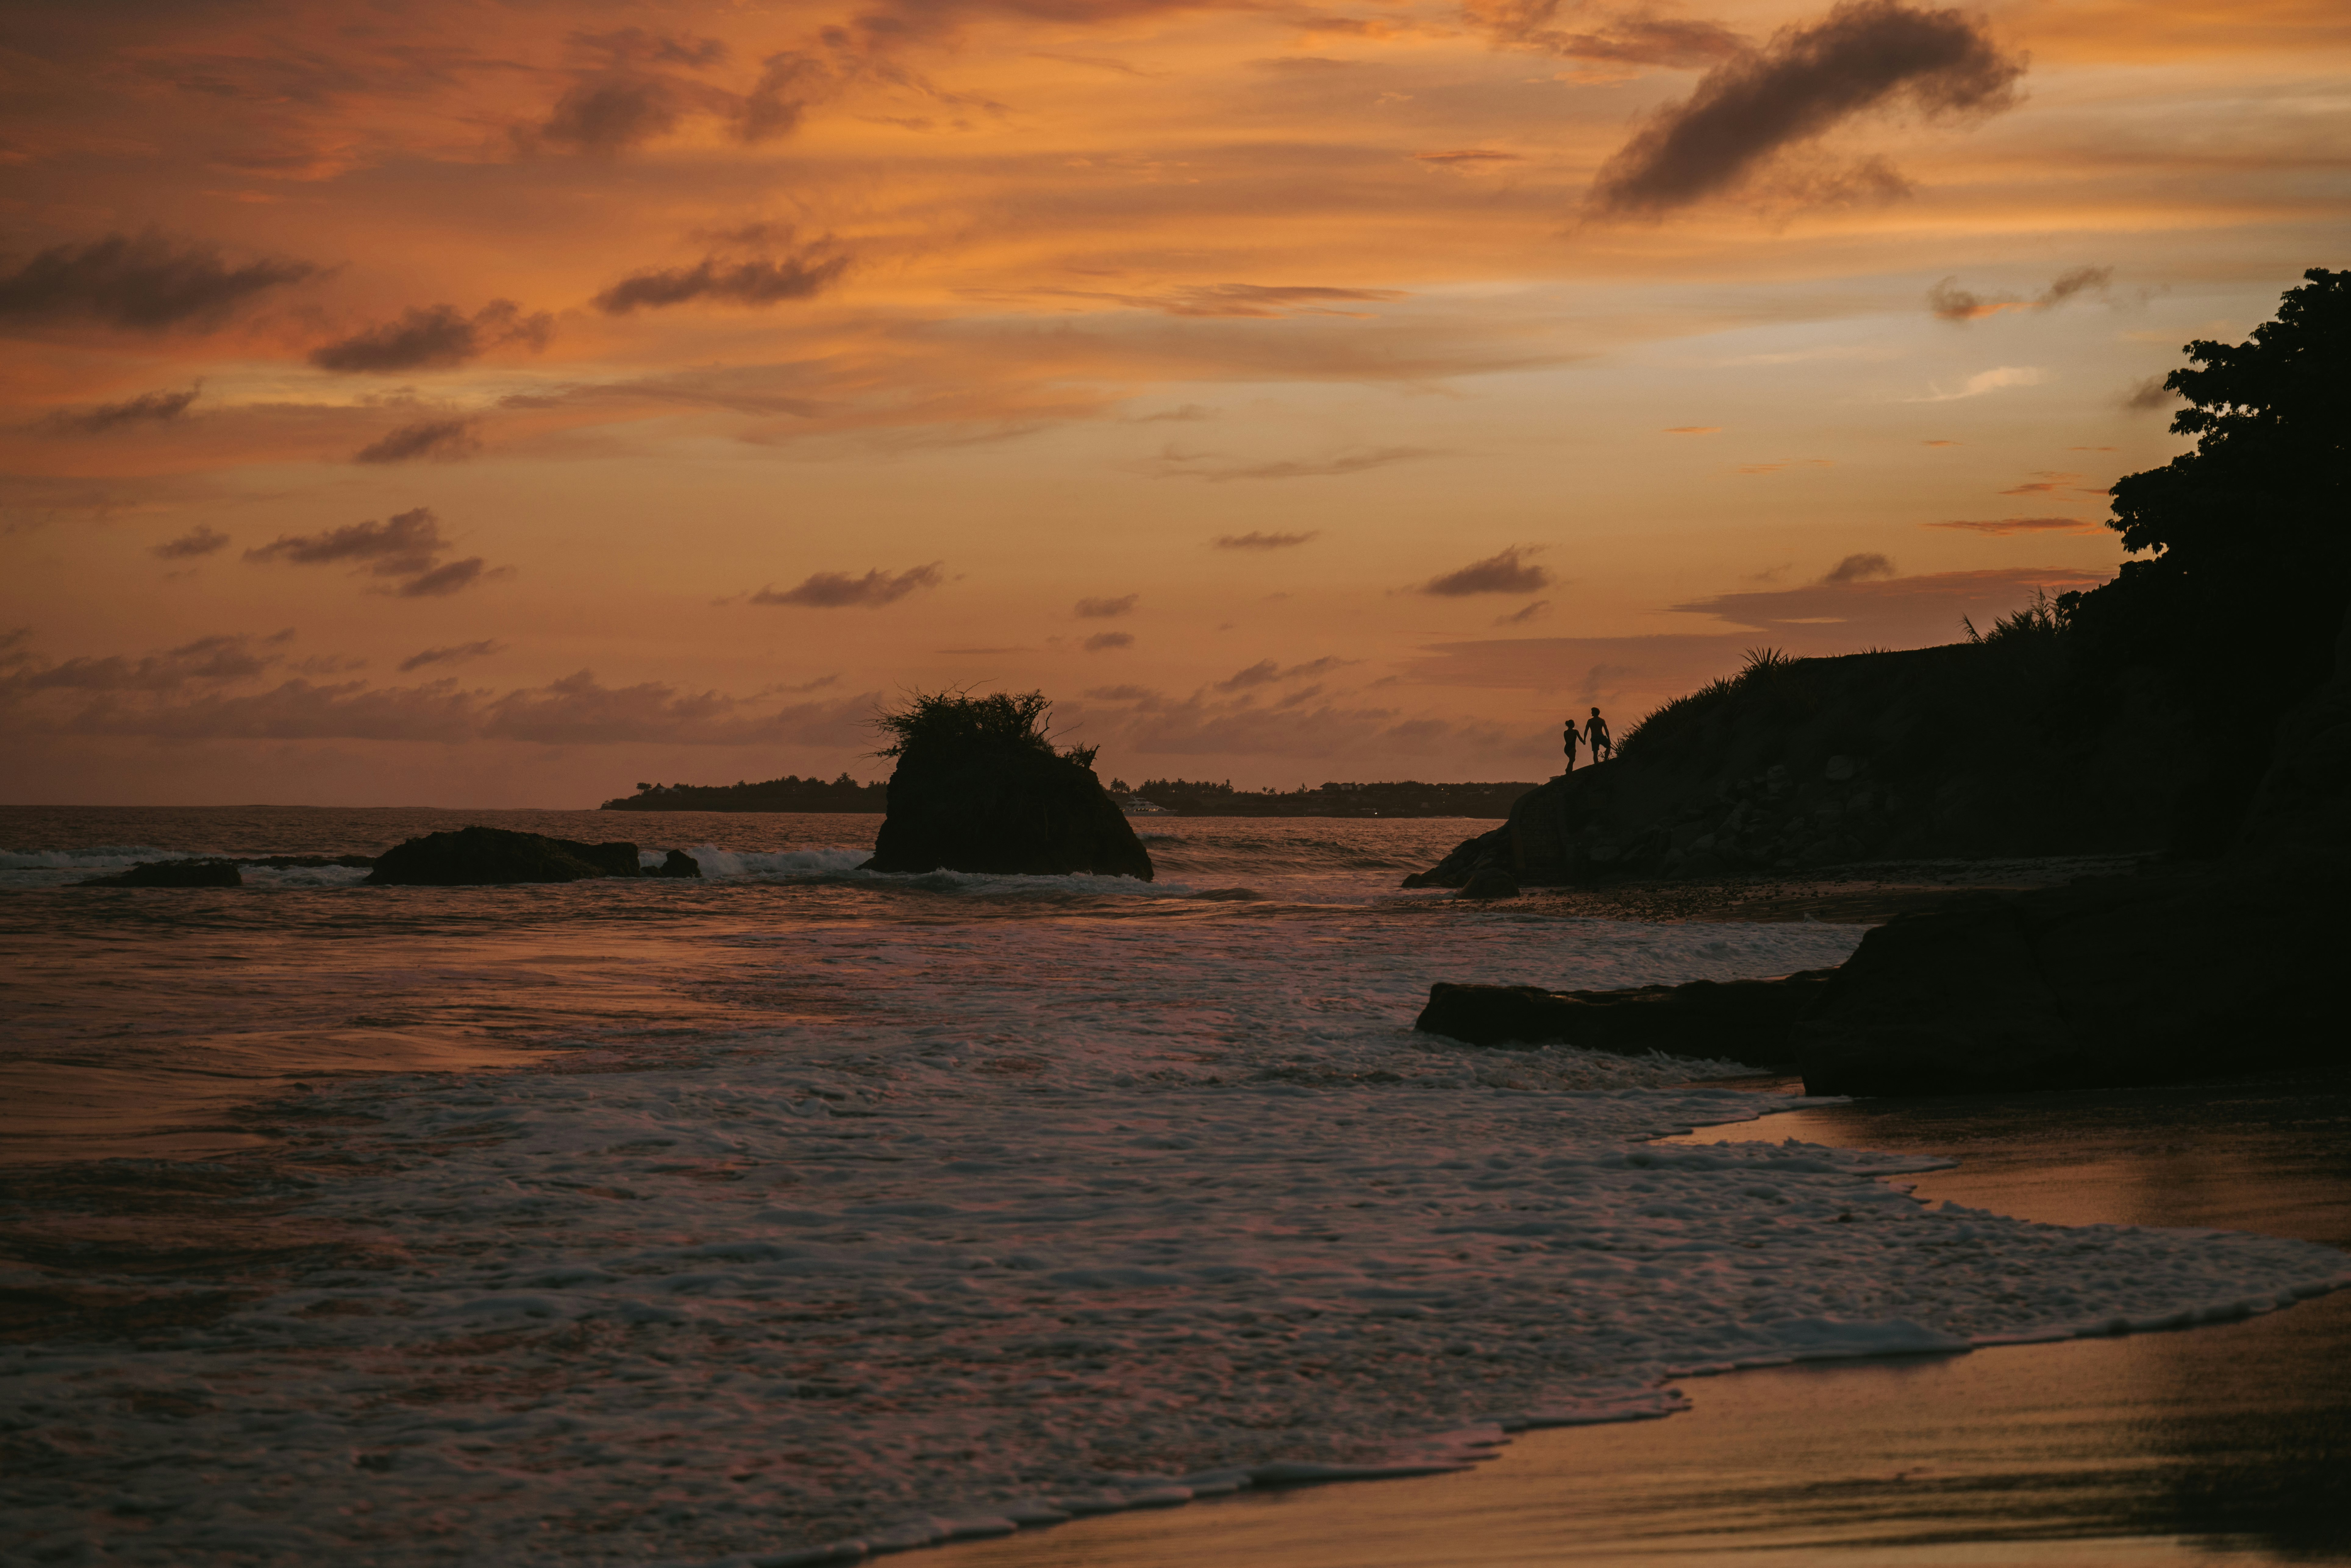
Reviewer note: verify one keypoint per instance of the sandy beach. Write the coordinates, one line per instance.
(2228, 1444)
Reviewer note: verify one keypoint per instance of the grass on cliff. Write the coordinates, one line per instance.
(1763, 665)
(957, 721)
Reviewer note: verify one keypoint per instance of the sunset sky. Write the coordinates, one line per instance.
(475, 404)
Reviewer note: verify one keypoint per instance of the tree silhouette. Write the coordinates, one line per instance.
(2248, 537)
(2251, 532)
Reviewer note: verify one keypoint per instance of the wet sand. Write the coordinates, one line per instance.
(2227, 1445)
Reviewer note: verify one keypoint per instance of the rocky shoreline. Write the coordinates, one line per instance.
(2079, 972)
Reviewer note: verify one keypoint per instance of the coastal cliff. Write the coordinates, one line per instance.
(1970, 749)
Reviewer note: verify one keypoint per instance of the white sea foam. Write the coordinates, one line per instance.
(1032, 1217)
(57, 868)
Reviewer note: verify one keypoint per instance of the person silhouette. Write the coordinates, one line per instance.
(1567, 740)
(1595, 737)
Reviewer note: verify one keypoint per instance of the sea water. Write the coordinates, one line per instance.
(803, 1209)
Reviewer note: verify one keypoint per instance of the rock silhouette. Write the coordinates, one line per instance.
(2229, 965)
(979, 788)
(476, 856)
(1967, 750)
(1743, 1021)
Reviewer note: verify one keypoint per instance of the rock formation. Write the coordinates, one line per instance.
(1969, 750)
(2132, 981)
(483, 856)
(1004, 810)
(2185, 971)
(979, 788)
(1743, 1021)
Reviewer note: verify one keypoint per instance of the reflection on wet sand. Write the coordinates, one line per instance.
(2228, 1445)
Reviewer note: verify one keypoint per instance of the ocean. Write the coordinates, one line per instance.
(803, 1210)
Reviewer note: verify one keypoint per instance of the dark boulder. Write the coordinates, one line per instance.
(2148, 980)
(472, 857)
(173, 873)
(677, 863)
(1007, 808)
(1490, 882)
(1466, 860)
(1742, 1021)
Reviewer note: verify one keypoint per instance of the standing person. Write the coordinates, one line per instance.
(1567, 740)
(1595, 736)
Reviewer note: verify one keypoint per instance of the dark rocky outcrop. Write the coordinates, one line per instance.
(2132, 980)
(1969, 750)
(483, 856)
(677, 863)
(2214, 966)
(1009, 810)
(1740, 1020)
(173, 873)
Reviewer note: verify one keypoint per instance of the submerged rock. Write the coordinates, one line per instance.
(1007, 810)
(1741, 1020)
(485, 856)
(173, 873)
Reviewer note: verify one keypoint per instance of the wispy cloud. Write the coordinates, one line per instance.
(408, 545)
(146, 282)
(1949, 302)
(462, 652)
(1267, 672)
(834, 589)
(1507, 571)
(147, 408)
(758, 281)
(1173, 464)
(196, 542)
(1265, 541)
(1859, 569)
(1261, 301)
(2022, 526)
(436, 337)
(442, 440)
(1761, 102)
(1990, 381)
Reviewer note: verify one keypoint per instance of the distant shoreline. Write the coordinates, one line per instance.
(1154, 797)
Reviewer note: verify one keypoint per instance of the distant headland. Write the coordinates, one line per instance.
(1152, 796)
